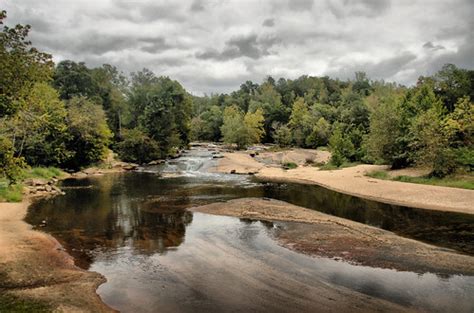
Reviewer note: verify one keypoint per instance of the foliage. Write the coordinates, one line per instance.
(39, 131)
(341, 147)
(137, 147)
(282, 135)
(10, 192)
(162, 108)
(241, 129)
(14, 304)
(21, 66)
(89, 132)
(289, 165)
(10, 165)
(461, 181)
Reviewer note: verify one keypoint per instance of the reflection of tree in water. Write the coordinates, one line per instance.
(111, 215)
(447, 229)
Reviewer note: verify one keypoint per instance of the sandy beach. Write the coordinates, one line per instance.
(353, 181)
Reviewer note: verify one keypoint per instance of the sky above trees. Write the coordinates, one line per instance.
(213, 46)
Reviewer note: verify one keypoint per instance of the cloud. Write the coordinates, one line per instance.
(300, 5)
(197, 6)
(269, 22)
(242, 46)
(429, 45)
(213, 46)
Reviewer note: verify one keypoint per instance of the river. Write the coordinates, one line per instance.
(135, 230)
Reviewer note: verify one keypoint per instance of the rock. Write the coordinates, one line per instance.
(48, 188)
(130, 167)
(35, 182)
(233, 171)
(90, 171)
(41, 188)
(252, 155)
(217, 156)
(156, 162)
(56, 188)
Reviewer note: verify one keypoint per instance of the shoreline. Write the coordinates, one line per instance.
(35, 267)
(318, 234)
(33, 264)
(352, 181)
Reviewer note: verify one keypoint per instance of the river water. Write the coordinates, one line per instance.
(133, 228)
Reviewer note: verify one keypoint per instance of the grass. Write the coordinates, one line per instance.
(43, 172)
(379, 175)
(289, 165)
(330, 167)
(10, 193)
(13, 193)
(10, 303)
(464, 181)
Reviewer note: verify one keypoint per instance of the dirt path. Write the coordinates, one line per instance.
(329, 236)
(353, 181)
(34, 266)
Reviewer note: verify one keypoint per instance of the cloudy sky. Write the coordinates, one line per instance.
(213, 46)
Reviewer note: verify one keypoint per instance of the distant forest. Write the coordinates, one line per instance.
(69, 115)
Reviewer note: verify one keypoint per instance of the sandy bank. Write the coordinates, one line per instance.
(33, 265)
(353, 181)
(324, 235)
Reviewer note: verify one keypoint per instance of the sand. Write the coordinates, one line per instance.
(34, 265)
(353, 181)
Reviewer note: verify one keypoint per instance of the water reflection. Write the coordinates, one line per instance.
(129, 227)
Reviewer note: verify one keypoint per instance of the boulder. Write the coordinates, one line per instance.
(35, 182)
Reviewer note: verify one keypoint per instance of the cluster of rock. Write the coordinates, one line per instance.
(39, 186)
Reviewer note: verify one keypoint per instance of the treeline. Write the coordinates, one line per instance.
(69, 115)
(430, 124)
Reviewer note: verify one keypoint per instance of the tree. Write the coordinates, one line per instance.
(137, 147)
(89, 132)
(242, 130)
(300, 123)
(341, 147)
(10, 166)
(39, 131)
(166, 113)
(320, 134)
(282, 135)
(21, 66)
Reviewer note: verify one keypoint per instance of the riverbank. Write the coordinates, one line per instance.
(353, 181)
(319, 234)
(35, 269)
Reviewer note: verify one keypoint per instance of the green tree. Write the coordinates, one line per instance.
(137, 147)
(241, 129)
(341, 147)
(90, 134)
(21, 66)
(39, 131)
(10, 166)
(282, 135)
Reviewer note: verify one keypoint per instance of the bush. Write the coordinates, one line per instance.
(137, 147)
(289, 165)
(90, 134)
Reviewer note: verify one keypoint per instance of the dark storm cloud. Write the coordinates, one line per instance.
(431, 46)
(243, 46)
(213, 46)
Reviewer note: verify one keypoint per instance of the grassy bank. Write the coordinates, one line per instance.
(13, 193)
(10, 303)
(464, 181)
